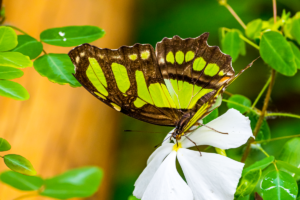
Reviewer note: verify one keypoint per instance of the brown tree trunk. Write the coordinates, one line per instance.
(61, 127)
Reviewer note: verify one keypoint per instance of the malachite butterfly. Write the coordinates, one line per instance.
(178, 83)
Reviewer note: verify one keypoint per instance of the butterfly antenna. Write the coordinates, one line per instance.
(163, 141)
(142, 131)
(212, 128)
(248, 66)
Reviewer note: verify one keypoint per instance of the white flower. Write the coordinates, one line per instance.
(209, 176)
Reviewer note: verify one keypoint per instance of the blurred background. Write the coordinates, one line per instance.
(61, 128)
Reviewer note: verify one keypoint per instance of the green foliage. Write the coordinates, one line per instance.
(8, 38)
(213, 115)
(276, 51)
(28, 46)
(58, 68)
(19, 164)
(295, 29)
(296, 52)
(71, 35)
(264, 132)
(14, 59)
(290, 152)
(278, 185)
(235, 101)
(254, 28)
(262, 164)
(82, 182)
(13, 90)
(132, 198)
(20, 181)
(10, 73)
(231, 44)
(288, 167)
(248, 183)
(4, 145)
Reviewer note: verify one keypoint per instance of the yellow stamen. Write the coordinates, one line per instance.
(176, 147)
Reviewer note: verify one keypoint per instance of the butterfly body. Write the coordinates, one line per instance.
(174, 85)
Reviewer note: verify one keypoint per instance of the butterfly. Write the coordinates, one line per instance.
(177, 84)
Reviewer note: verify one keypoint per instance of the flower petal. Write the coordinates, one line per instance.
(153, 164)
(232, 122)
(210, 176)
(167, 183)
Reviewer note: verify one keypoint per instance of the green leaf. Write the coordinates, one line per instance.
(20, 181)
(71, 35)
(254, 28)
(132, 198)
(295, 29)
(28, 46)
(287, 28)
(296, 54)
(213, 115)
(248, 183)
(232, 44)
(4, 145)
(298, 196)
(10, 73)
(264, 132)
(82, 182)
(239, 99)
(19, 164)
(276, 51)
(278, 185)
(262, 164)
(8, 38)
(58, 68)
(13, 90)
(288, 167)
(14, 59)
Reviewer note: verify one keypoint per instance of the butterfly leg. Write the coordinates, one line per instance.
(212, 128)
(193, 143)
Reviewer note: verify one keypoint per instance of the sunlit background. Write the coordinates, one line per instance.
(61, 127)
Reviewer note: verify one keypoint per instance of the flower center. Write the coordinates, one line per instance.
(177, 146)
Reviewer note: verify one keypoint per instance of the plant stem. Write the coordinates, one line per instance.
(261, 92)
(235, 15)
(261, 117)
(228, 93)
(262, 150)
(241, 105)
(279, 138)
(25, 196)
(249, 42)
(283, 115)
(274, 11)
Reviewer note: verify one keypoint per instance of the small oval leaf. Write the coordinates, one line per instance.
(239, 102)
(278, 185)
(28, 46)
(10, 73)
(20, 181)
(13, 90)
(71, 35)
(262, 164)
(19, 164)
(82, 182)
(276, 52)
(254, 28)
(248, 183)
(4, 145)
(14, 59)
(231, 44)
(8, 38)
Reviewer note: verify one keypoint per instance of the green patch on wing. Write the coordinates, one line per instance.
(199, 64)
(139, 103)
(142, 89)
(211, 69)
(189, 56)
(179, 57)
(170, 57)
(121, 77)
(161, 96)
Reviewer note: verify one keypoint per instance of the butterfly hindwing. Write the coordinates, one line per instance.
(128, 80)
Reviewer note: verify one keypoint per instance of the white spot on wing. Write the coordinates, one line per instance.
(161, 61)
(82, 54)
(77, 59)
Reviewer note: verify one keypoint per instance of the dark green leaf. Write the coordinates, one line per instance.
(13, 90)
(298, 196)
(264, 132)
(295, 29)
(19, 164)
(10, 73)
(213, 115)
(287, 28)
(8, 38)
(248, 183)
(28, 46)
(278, 185)
(20, 181)
(71, 35)
(4, 145)
(14, 59)
(254, 28)
(132, 198)
(276, 51)
(238, 100)
(232, 44)
(262, 164)
(82, 182)
(289, 167)
(296, 53)
(58, 68)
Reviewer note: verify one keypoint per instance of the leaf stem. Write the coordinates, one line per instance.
(235, 15)
(261, 149)
(279, 138)
(228, 93)
(261, 117)
(283, 115)
(25, 196)
(261, 92)
(249, 42)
